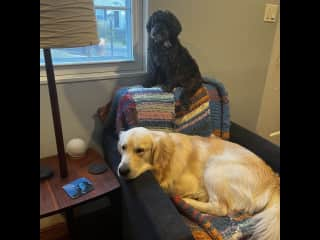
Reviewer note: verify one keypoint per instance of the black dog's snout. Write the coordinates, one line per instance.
(159, 33)
(155, 35)
(152, 34)
(124, 171)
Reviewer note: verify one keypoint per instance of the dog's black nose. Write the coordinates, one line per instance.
(124, 171)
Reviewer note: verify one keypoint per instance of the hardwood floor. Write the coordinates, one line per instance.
(58, 231)
(95, 225)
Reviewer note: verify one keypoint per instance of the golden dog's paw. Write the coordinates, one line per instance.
(187, 200)
(165, 186)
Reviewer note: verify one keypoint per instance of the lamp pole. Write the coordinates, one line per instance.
(55, 113)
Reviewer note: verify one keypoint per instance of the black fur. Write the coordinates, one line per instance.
(169, 64)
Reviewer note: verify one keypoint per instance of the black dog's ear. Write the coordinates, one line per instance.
(155, 16)
(149, 24)
(173, 23)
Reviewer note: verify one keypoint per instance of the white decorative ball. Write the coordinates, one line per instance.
(76, 148)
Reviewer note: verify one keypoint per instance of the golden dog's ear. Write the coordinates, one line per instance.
(163, 148)
(121, 134)
(120, 140)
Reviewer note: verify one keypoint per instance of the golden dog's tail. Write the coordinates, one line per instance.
(267, 223)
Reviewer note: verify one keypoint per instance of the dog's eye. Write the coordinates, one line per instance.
(139, 150)
(124, 147)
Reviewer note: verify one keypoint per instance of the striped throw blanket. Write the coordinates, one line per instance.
(209, 112)
(209, 227)
(197, 119)
(145, 107)
(154, 109)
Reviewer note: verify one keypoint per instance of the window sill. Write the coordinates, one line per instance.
(87, 77)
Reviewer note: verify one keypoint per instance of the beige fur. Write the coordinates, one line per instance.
(213, 175)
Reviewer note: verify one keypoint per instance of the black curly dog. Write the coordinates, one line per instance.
(170, 65)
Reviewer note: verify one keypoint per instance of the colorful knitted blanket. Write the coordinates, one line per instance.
(209, 227)
(155, 109)
(146, 107)
(209, 112)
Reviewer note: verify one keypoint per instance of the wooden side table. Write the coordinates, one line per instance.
(53, 199)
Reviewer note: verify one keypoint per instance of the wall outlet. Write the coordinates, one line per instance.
(270, 12)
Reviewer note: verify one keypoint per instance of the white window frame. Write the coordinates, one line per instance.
(109, 70)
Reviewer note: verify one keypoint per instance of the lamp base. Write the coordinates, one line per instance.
(45, 172)
(97, 168)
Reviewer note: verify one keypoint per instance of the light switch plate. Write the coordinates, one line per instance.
(270, 12)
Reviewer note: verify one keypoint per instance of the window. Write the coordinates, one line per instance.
(120, 30)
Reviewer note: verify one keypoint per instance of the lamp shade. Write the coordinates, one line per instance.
(67, 23)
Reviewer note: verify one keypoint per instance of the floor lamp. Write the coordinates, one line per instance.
(63, 24)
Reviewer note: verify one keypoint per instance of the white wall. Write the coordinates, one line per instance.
(269, 116)
(78, 103)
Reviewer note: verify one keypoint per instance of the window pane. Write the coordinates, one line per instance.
(114, 31)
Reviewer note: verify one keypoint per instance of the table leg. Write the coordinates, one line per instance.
(70, 222)
(116, 205)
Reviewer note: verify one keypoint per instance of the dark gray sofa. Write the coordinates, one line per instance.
(147, 212)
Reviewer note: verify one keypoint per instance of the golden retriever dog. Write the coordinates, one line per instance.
(215, 176)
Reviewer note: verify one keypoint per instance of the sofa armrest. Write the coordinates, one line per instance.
(268, 151)
(147, 211)
(152, 210)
